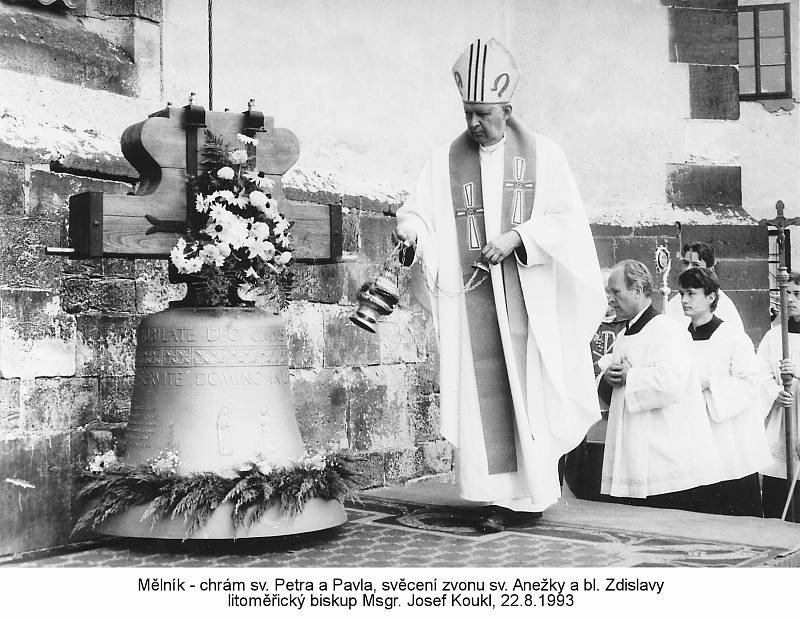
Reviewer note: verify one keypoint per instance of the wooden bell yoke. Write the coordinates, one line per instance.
(166, 151)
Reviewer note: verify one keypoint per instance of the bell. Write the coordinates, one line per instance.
(212, 385)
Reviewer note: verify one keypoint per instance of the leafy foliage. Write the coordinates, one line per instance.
(194, 497)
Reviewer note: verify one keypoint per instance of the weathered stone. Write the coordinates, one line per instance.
(153, 289)
(320, 283)
(753, 306)
(402, 337)
(60, 403)
(23, 262)
(12, 191)
(364, 203)
(345, 343)
(703, 36)
(690, 184)
(36, 490)
(146, 9)
(375, 237)
(80, 294)
(723, 5)
(636, 248)
(359, 274)
(9, 405)
(305, 335)
(403, 464)
(50, 192)
(714, 92)
(36, 337)
(436, 456)
(64, 51)
(605, 251)
(730, 241)
(350, 235)
(379, 417)
(425, 417)
(320, 400)
(106, 345)
(115, 398)
(608, 230)
(743, 274)
(370, 469)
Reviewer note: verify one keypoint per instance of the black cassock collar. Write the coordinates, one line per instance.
(704, 332)
(647, 316)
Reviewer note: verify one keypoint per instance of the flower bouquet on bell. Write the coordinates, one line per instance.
(237, 241)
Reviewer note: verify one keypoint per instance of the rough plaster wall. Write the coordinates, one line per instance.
(365, 84)
(598, 80)
(770, 145)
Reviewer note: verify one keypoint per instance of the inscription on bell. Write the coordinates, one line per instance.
(141, 427)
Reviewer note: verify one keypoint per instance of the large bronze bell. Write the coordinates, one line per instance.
(212, 385)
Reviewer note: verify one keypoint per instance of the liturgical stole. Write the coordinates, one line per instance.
(491, 372)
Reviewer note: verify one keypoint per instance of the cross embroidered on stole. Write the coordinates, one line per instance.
(519, 186)
(473, 234)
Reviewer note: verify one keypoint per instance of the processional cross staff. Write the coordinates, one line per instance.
(781, 223)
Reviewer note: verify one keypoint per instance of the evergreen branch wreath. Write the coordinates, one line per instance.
(194, 497)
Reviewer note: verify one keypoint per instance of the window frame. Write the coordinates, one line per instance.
(755, 9)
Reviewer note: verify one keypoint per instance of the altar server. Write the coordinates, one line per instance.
(701, 255)
(659, 447)
(770, 353)
(729, 374)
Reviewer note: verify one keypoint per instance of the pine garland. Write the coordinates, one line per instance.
(194, 497)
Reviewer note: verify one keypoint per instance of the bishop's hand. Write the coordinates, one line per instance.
(496, 250)
(403, 233)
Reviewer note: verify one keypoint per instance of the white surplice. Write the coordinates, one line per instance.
(565, 301)
(659, 438)
(769, 354)
(733, 400)
(726, 311)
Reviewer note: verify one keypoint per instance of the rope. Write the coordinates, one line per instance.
(210, 57)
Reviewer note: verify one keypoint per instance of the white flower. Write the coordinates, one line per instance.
(241, 201)
(200, 204)
(281, 225)
(251, 273)
(181, 262)
(103, 461)
(259, 199)
(224, 194)
(260, 230)
(226, 173)
(259, 248)
(211, 254)
(283, 258)
(246, 139)
(262, 182)
(238, 157)
(231, 230)
(167, 461)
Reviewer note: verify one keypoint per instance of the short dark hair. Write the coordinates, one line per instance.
(636, 272)
(703, 250)
(698, 277)
(794, 277)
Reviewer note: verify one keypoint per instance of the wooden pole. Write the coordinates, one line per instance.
(781, 223)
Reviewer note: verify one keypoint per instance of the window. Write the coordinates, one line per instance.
(764, 63)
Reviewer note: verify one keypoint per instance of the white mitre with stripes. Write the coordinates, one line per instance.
(486, 73)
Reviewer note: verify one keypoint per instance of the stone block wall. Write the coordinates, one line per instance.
(742, 261)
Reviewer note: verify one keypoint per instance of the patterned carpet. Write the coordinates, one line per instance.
(381, 534)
